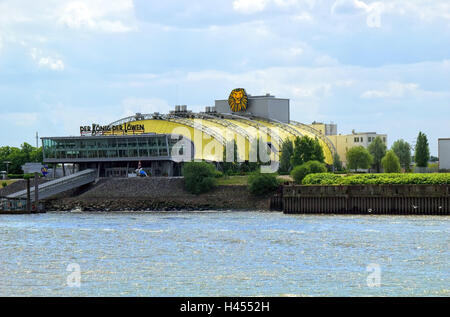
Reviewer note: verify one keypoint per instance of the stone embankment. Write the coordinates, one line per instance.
(154, 193)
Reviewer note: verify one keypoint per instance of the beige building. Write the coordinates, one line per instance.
(344, 142)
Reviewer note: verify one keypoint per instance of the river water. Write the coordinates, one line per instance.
(223, 254)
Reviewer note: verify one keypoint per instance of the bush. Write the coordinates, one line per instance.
(381, 179)
(199, 177)
(261, 184)
(4, 184)
(21, 176)
(311, 167)
(391, 163)
(358, 157)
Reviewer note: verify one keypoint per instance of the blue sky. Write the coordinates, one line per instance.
(379, 66)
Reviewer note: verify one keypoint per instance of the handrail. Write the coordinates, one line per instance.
(57, 183)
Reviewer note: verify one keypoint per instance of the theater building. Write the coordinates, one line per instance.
(160, 143)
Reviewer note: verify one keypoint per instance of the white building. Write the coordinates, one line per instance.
(444, 153)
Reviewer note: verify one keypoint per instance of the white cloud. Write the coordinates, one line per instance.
(98, 15)
(373, 10)
(394, 90)
(424, 9)
(254, 6)
(303, 17)
(52, 63)
(249, 6)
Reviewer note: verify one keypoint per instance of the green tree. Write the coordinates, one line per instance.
(287, 149)
(199, 177)
(299, 172)
(337, 163)
(378, 150)
(306, 149)
(261, 184)
(230, 158)
(19, 156)
(403, 151)
(391, 162)
(422, 151)
(358, 157)
(255, 160)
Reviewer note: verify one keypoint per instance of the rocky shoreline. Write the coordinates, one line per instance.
(105, 205)
(155, 194)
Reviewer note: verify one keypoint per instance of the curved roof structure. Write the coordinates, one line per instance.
(210, 132)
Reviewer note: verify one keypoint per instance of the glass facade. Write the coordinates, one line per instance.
(112, 147)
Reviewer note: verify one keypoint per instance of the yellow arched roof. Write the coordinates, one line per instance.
(218, 132)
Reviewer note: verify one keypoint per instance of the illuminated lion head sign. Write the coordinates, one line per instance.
(238, 100)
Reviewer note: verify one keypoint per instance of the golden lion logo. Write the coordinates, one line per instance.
(238, 100)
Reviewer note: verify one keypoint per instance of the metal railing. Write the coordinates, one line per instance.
(59, 185)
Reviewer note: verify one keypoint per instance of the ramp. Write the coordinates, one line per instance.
(59, 185)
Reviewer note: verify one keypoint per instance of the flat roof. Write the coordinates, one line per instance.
(141, 135)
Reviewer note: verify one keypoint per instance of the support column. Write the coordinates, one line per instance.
(36, 192)
(64, 169)
(28, 196)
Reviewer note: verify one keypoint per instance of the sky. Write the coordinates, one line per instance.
(381, 66)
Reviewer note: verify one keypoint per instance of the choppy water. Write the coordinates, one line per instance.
(223, 254)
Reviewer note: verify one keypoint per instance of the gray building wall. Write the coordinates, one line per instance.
(444, 153)
(262, 106)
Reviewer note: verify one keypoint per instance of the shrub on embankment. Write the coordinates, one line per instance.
(20, 176)
(377, 179)
(260, 184)
(301, 171)
(199, 177)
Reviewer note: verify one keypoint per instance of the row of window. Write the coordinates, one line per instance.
(369, 139)
(105, 143)
(111, 148)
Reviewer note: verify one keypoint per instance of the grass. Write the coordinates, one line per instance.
(233, 180)
(243, 180)
(8, 181)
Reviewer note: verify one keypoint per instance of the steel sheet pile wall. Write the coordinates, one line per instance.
(368, 199)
